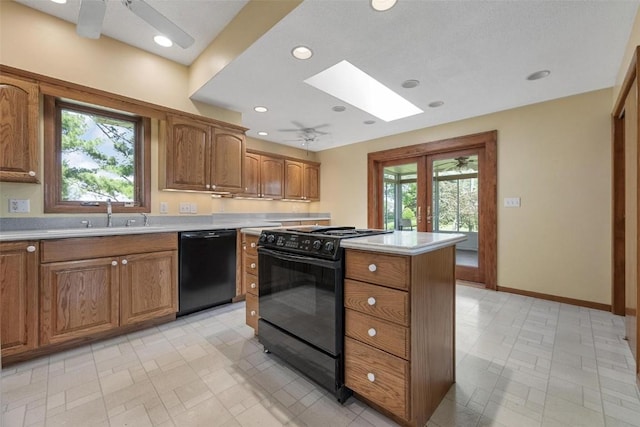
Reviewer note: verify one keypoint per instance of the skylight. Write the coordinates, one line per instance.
(350, 84)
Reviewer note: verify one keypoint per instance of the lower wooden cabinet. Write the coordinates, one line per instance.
(124, 280)
(250, 279)
(19, 296)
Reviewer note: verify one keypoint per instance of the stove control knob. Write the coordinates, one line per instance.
(263, 237)
(271, 238)
(317, 245)
(329, 246)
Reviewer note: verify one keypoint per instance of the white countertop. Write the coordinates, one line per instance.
(403, 242)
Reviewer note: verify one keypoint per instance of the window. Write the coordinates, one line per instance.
(93, 155)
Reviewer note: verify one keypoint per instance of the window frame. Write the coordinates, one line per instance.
(53, 202)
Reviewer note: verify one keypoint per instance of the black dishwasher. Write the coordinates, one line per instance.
(207, 271)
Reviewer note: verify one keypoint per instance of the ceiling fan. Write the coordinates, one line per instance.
(305, 130)
(458, 163)
(92, 14)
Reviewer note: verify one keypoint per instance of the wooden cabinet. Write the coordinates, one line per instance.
(250, 279)
(19, 106)
(264, 176)
(19, 296)
(202, 157)
(95, 284)
(302, 180)
(399, 327)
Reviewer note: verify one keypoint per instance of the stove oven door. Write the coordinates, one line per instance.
(303, 296)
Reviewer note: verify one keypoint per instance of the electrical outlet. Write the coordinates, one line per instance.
(184, 207)
(194, 208)
(19, 205)
(164, 207)
(512, 202)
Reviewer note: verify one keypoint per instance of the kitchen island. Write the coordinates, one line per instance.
(399, 298)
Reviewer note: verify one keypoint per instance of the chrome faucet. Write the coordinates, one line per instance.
(109, 222)
(146, 219)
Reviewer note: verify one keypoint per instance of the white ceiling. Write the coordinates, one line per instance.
(473, 55)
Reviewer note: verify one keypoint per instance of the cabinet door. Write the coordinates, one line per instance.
(19, 296)
(188, 159)
(293, 176)
(251, 175)
(228, 156)
(78, 299)
(18, 130)
(148, 284)
(271, 177)
(311, 182)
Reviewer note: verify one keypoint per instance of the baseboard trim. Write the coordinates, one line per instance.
(555, 298)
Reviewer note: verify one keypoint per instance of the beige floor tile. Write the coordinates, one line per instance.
(204, 414)
(136, 416)
(326, 412)
(571, 413)
(89, 414)
(264, 414)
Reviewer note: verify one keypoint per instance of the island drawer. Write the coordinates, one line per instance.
(252, 311)
(251, 281)
(251, 264)
(377, 301)
(381, 334)
(378, 376)
(382, 269)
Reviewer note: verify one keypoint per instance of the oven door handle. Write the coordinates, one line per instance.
(300, 258)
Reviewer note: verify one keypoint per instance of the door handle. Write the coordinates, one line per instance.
(429, 214)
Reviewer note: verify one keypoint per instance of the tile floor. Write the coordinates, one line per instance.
(520, 362)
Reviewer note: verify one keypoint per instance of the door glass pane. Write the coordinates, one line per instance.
(400, 197)
(455, 203)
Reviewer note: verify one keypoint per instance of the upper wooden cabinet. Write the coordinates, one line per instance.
(302, 180)
(264, 176)
(203, 157)
(19, 296)
(18, 130)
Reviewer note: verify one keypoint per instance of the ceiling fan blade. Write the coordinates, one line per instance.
(159, 22)
(90, 18)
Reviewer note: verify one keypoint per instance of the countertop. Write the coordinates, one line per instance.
(403, 242)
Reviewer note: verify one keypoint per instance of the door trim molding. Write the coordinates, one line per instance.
(488, 185)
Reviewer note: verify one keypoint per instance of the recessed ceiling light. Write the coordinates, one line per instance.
(260, 109)
(350, 84)
(369, 122)
(339, 108)
(301, 52)
(262, 133)
(410, 84)
(436, 104)
(163, 41)
(382, 5)
(538, 75)
(59, 1)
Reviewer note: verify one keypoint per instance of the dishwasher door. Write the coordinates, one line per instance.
(207, 269)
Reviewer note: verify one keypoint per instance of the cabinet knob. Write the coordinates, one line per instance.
(371, 377)
(208, 186)
(253, 286)
(244, 247)
(253, 313)
(372, 267)
(31, 248)
(213, 186)
(253, 265)
(114, 263)
(32, 173)
(372, 332)
(253, 244)
(371, 301)
(124, 262)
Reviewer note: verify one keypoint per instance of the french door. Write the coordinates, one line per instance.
(442, 187)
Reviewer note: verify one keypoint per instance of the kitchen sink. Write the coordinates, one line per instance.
(104, 230)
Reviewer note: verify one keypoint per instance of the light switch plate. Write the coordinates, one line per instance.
(164, 208)
(19, 205)
(512, 202)
(193, 208)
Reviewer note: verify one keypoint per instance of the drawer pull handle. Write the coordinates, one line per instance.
(371, 301)
(114, 263)
(124, 262)
(372, 267)
(253, 244)
(253, 265)
(372, 332)
(253, 286)
(31, 248)
(371, 377)
(253, 313)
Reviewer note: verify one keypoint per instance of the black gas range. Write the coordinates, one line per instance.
(316, 241)
(301, 291)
